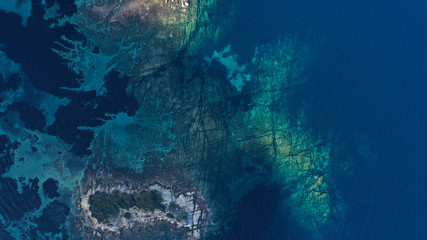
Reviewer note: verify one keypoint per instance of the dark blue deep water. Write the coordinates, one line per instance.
(370, 81)
(368, 86)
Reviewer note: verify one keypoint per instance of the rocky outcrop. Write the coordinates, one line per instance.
(141, 35)
(125, 206)
(212, 119)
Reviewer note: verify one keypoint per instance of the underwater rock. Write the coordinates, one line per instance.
(298, 161)
(53, 217)
(16, 202)
(50, 188)
(172, 143)
(6, 150)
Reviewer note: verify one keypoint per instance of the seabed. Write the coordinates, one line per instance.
(207, 130)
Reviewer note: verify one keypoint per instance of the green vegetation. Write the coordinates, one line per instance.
(127, 215)
(177, 211)
(106, 206)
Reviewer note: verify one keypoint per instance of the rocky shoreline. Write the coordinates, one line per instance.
(181, 211)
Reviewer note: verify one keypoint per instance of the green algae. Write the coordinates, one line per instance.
(106, 206)
(127, 215)
(175, 211)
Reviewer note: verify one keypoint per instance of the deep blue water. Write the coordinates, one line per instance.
(370, 81)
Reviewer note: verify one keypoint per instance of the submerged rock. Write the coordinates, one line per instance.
(182, 133)
(50, 188)
(53, 217)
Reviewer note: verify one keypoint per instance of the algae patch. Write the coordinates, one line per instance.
(104, 206)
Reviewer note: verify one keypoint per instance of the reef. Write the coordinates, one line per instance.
(222, 124)
(173, 129)
(225, 146)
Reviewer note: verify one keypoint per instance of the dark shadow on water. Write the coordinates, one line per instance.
(261, 216)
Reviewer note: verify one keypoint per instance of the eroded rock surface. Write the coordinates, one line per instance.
(125, 206)
(141, 35)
